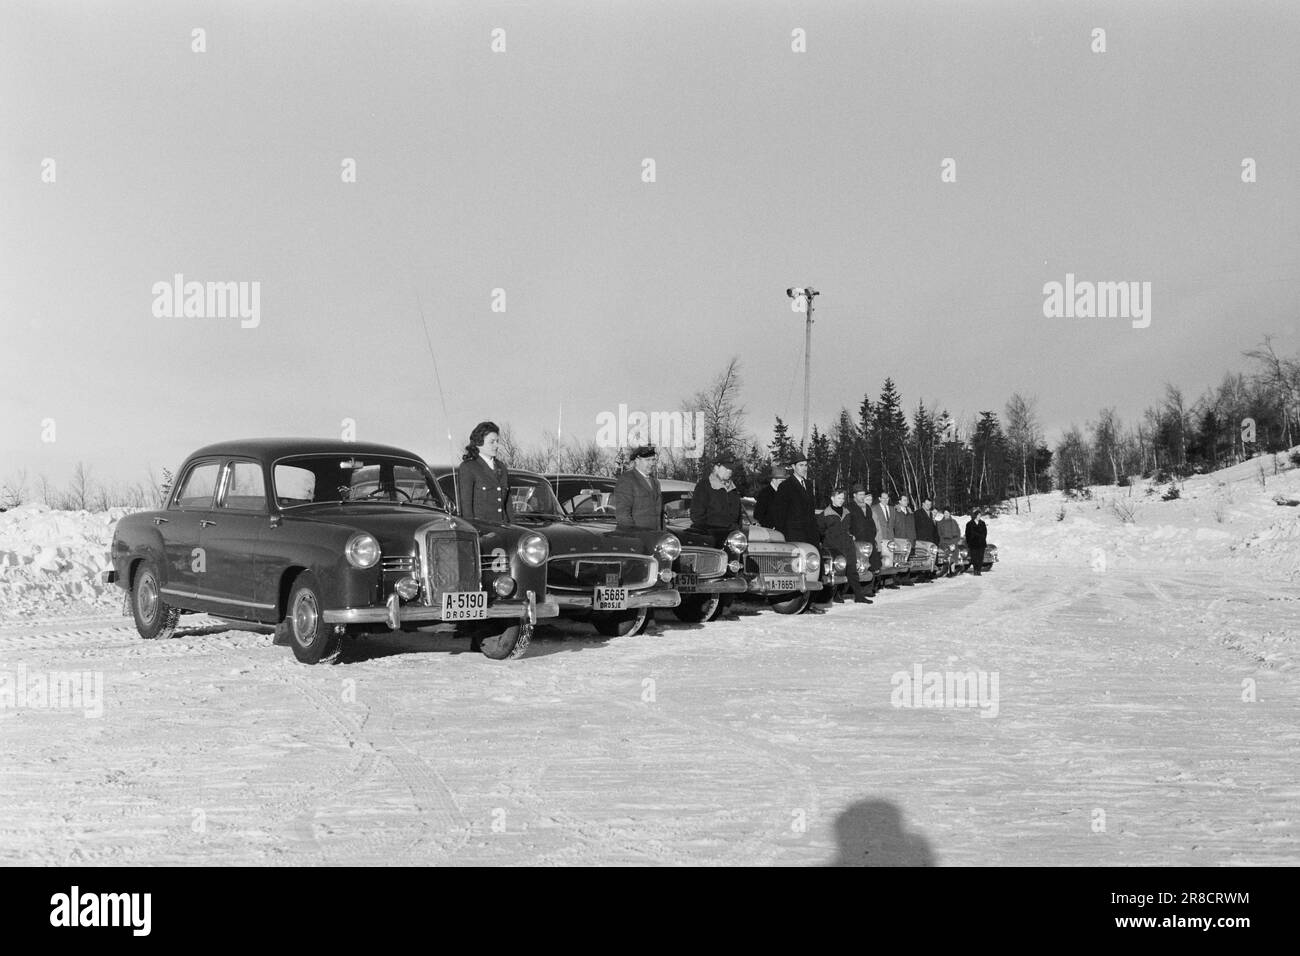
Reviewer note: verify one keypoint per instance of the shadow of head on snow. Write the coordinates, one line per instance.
(871, 833)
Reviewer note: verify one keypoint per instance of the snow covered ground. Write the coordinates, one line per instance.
(1135, 701)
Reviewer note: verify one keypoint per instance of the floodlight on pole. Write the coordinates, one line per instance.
(807, 293)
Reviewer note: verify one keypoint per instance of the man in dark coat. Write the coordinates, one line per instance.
(926, 529)
(715, 503)
(863, 528)
(763, 503)
(637, 500)
(837, 531)
(977, 536)
(793, 513)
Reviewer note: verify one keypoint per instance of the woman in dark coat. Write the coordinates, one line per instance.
(482, 482)
(977, 536)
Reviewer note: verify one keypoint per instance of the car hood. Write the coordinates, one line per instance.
(394, 530)
(566, 537)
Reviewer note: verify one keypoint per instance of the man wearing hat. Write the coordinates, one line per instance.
(863, 528)
(715, 503)
(636, 499)
(793, 513)
(763, 503)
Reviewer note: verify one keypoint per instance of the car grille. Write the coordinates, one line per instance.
(706, 562)
(451, 563)
(769, 564)
(633, 571)
(400, 564)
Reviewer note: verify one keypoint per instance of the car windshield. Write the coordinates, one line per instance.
(334, 479)
(531, 497)
(587, 500)
(677, 504)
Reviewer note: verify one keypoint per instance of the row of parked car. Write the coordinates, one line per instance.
(325, 539)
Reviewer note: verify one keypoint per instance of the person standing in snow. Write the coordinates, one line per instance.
(837, 531)
(715, 503)
(977, 535)
(949, 529)
(763, 503)
(636, 499)
(926, 530)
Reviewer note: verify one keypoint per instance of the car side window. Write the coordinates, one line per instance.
(245, 487)
(198, 486)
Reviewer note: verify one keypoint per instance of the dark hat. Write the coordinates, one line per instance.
(725, 458)
(796, 458)
(858, 489)
(644, 451)
(874, 492)
(780, 471)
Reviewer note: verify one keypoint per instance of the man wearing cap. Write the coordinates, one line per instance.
(863, 528)
(836, 524)
(793, 513)
(715, 503)
(636, 498)
(763, 503)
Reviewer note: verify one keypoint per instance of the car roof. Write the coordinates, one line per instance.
(270, 449)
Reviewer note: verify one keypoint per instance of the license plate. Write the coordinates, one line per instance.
(686, 582)
(464, 606)
(782, 584)
(610, 599)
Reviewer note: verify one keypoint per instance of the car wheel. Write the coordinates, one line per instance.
(790, 604)
(621, 623)
(698, 608)
(154, 618)
(313, 641)
(509, 643)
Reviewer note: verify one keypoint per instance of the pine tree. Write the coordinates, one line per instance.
(782, 447)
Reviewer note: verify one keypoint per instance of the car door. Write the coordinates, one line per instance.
(231, 537)
(185, 573)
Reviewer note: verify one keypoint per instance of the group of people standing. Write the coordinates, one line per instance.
(786, 504)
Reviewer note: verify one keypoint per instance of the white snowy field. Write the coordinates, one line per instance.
(1147, 711)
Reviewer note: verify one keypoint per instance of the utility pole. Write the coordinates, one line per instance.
(807, 293)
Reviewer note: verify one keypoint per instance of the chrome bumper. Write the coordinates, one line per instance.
(394, 613)
(658, 597)
(720, 586)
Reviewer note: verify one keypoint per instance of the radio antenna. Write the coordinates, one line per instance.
(437, 377)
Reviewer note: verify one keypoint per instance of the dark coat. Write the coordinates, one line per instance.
(763, 505)
(926, 529)
(863, 527)
(637, 501)
(977, 534)
(904, 524)
(949, 531)
(482, 492)
(793, 513)
(861, 524)
(715, 509)
(837, 530)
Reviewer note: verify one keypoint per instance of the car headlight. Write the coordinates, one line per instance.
(504, 585)
(668, 547)
(533, 549)
(811, 563)
(737, 542)
(840, 562)
(362, 550)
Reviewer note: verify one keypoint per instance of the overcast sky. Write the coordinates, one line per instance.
(523, 170)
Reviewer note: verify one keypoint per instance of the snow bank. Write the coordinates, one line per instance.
(1226, 517)
(50, 560)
